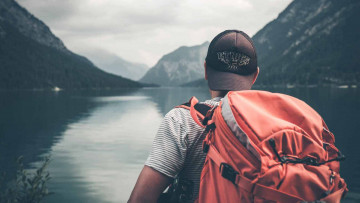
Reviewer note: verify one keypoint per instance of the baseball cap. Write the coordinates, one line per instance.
(230, 57)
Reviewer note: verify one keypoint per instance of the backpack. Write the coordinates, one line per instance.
(267, 147)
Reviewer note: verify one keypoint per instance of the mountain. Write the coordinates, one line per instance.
(183, 65)
(311, 43)
(114, 64)
(31, 57)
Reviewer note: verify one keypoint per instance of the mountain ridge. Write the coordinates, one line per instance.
(182, 65)
(310, 43)
(31, 57)
(29, 25)
(114, 64)
(313, 45)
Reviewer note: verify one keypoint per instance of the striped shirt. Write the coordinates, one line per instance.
(177, 147)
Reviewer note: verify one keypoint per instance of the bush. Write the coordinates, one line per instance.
(27, 187)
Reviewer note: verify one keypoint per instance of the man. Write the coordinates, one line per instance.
(230, 65)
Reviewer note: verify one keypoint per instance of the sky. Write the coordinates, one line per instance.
(143, 31)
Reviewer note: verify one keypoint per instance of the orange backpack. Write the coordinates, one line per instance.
(267, 147)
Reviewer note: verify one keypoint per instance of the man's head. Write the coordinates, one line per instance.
(231, 62)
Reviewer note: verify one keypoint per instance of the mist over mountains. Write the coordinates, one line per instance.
(310, 43)
(114, 64)
(31, 57)
(183, 65)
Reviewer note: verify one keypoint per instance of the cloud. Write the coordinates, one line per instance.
(144, 30)
(51, 10)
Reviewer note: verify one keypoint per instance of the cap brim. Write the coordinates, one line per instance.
(218, 80)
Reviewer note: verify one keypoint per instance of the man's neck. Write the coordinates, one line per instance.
(222, 93)
(217, 94)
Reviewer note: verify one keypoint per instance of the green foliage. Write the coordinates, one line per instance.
(27, 187)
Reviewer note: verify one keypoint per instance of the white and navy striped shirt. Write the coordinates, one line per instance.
(177, 147)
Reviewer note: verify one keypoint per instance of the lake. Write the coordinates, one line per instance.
(99, 140)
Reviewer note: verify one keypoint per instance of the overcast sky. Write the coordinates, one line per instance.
(144, 30)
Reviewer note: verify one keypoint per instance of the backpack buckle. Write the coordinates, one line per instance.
(209, 127)
(228, 172)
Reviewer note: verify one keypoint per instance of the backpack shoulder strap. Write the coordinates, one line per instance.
(197, 110)
(201, 108)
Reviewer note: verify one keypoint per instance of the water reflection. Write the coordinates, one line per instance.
(104, 150)
(99, 140)
(31, 122)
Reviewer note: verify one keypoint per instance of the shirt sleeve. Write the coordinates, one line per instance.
(169, 148)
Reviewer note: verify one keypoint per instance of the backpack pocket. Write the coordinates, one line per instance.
(297, 165)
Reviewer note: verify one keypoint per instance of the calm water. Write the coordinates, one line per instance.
(99, 140)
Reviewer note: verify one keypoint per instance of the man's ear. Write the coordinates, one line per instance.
(205, 71)
(256, 75)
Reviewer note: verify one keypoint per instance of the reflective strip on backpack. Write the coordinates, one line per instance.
(229, 118)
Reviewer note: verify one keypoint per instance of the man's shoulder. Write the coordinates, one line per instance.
(181, 114)
(178, 114)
